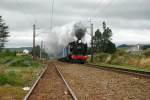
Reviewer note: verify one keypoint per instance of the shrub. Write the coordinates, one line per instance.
(147, 53)
(121, 52)
(7, 52)
(144, 62)
(11, 78)
(20, 63)
(101, 57)
(119, 60)
(108, 59)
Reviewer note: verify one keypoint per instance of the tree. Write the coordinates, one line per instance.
(44, 55)
(102, 40)
(97, 41)
(3, 33)
(109, 47)
(107, 33)
(37, 52)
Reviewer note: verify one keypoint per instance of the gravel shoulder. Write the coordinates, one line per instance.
(50, 87)
(97, 84)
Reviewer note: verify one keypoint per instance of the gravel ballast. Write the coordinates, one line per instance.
(97, 84)
(50, 87)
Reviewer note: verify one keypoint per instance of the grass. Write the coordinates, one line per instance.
(9, 92)
(11, 78)
(13, 69)
(18, 61)
(124, 60)
(17, 76)
(17, 72)
(125, 67)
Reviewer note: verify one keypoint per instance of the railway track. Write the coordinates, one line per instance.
(66, 83)
(98, 84)
(59, 85)
(121, 70)
(35, 92)
(34, 85)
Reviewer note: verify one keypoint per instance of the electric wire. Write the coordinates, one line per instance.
(30, 21)
(52, 13)
(99, 3)
(25, 15)
(105, 8)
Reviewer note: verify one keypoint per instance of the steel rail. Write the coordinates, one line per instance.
(66, 83)
(121, 70)
(34, 85)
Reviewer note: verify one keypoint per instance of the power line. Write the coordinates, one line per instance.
(19, 5)
(99, 3)
(52, 13)
(105, 8)
(25, 14)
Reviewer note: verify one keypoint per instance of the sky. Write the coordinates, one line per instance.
(128, 19)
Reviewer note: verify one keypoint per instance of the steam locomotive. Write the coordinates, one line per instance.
(76, 52)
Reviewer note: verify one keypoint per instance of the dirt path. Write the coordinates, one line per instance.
(96, 84)
(50, 87)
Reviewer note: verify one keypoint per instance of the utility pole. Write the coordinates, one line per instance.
(44, 56)
(34, 33)
(91, 26)
(41, 49)
(92, 55)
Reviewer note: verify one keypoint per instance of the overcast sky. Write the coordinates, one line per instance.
(128, 19)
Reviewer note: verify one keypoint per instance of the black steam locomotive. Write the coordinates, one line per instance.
(77, 52)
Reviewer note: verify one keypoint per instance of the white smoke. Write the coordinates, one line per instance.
(60, 37)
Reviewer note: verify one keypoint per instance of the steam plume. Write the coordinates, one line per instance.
(80, 30)
(61, 36)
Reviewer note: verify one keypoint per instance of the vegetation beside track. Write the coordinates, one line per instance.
(122, 59)
(17, 72)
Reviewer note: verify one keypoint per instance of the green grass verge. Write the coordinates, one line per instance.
(8, 92)
(11, 78)
(17, 72)
(122, 59)
(125, 67)
(18, 61)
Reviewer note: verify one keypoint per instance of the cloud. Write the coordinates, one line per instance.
(22, 39)
(122, 16)
(131, 36)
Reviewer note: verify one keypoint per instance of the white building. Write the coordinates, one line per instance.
(26, 51)
(135, 49)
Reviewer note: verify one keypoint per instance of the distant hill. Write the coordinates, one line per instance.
(20, 49)
(142, 46)
(123, 46)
